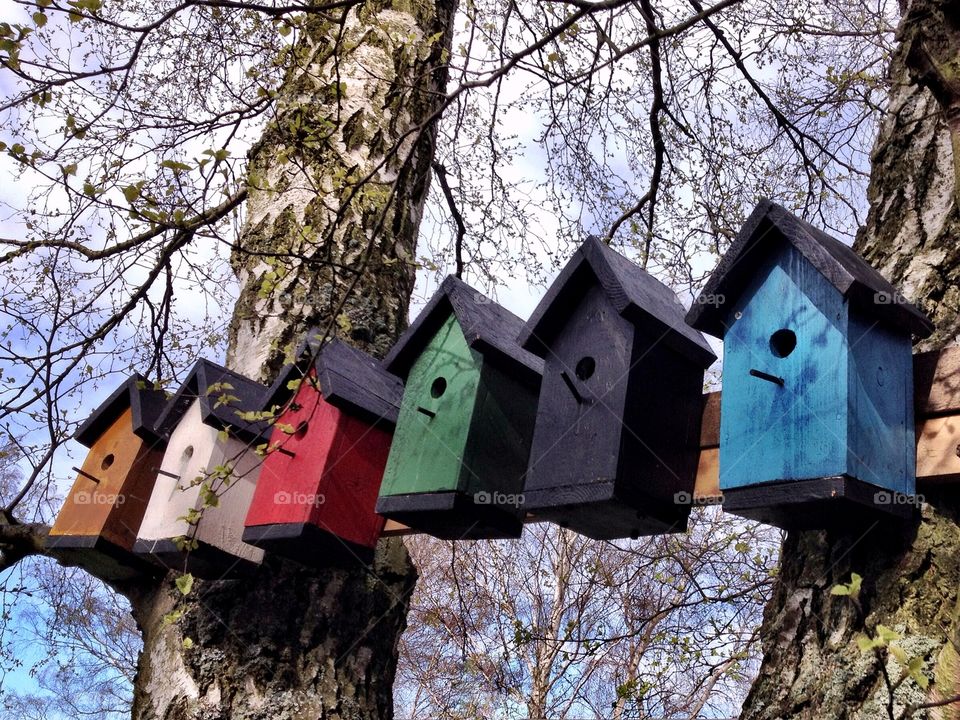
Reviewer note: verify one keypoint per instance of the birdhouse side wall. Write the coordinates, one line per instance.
(501, 432)
(577, 439)
(661, 437)
(221, 525)
(350, 482)
(882, 449)
(289, 484)
(428, 447)
(797, 430)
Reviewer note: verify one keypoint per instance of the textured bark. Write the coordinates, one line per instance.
(812, 666)
(337, 186)
(338, 183)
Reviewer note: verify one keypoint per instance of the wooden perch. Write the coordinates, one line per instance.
(936, 392)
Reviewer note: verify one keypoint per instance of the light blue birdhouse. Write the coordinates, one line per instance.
(816, 419)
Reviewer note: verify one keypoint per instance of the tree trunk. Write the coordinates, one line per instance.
(337, 186)
(812, 665)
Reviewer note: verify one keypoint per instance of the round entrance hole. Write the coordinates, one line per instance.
(782, 342)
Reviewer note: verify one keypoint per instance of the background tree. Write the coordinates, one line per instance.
(813, 666)
(658, 125)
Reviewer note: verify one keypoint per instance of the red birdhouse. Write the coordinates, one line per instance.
(318, 486)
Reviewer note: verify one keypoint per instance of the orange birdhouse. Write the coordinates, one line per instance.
(98, 523)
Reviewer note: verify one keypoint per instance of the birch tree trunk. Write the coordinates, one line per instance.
(812, 665)
(337, 187)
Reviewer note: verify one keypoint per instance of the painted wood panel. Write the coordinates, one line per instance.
(796, 430)
(195, 449)
(582, 398)
(882, 445)
(434, 420)
(112, 508)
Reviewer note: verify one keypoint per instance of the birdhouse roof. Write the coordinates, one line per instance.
(489, 329)
(349, 379)
(242, 395)
(767, 229)
(145, 403)
(634, 293)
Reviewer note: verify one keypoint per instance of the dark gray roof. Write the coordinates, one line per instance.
(770, 225)
(349, 378)
(204, 375)
(138, 394)
(634, 293)
(489, 329)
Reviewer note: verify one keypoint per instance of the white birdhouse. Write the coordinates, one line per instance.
(194, 520)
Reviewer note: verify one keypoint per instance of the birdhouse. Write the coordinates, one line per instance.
(207, 477)
(97, 525)
(816, 419)
(618, 422)
(318, 486)
(463, 433)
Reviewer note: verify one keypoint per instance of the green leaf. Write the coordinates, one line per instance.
(89, 189)
(40, 19)
(177, 167)
(208, 496)
(131, 193)
(187, 643)
(184, 583)
(886, 634)
(171, 617)
(839, 590)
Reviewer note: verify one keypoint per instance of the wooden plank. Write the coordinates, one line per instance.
(936, 382)
(938, 442)
(710, 423)
(708, 475)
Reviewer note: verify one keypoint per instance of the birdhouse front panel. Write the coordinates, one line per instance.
(194, 452)
(579, 424)
(784, 408)
(111, 491)
(439, 401)
(323, 470)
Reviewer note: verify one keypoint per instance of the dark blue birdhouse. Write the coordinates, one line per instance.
(816, 418)
(615, 446)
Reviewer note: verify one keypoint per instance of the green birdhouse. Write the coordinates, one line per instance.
(462, 441)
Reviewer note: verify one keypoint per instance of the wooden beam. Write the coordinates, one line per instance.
(936, 392)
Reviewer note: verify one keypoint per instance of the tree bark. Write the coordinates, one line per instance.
(812, 666)
(336, 191)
